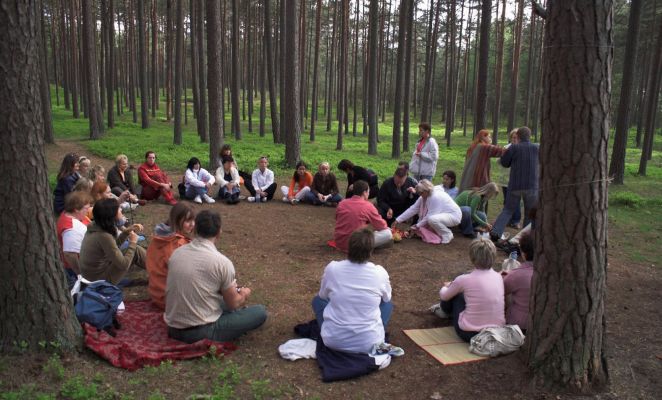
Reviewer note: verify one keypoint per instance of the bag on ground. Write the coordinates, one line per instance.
(97, 305)
(493, 342)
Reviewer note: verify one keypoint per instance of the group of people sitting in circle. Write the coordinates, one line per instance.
(196, 285)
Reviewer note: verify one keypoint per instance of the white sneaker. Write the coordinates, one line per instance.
(294, 201)
(263, 199)
(285, 200)
(242, 197)
(197, 199)
(251, 199)
(208, 199)
(436, 310)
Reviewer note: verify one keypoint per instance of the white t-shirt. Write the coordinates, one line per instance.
(352, 319)
(73, 237)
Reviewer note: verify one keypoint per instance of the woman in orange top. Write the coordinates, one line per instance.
(299, 185)
(167, 237)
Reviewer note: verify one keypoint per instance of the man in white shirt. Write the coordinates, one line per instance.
(353, 306)
(264, 185)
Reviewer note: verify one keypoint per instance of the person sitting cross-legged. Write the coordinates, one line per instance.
(203, 300)
(475, 300)
(198, 182)
(324, 190)
(227, 177)
(154, 181)
(357, 212)
(353, 306)
(299, 184)
(264, 185)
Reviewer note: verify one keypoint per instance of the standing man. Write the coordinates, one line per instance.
(357, 212)
(203, 300)
(154, 182)
(522, 158)
(423, 163)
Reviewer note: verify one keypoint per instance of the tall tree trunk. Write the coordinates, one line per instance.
(236, 128)
(64, 58)
(110, 69)
(142, 65)
(169, 59)
(215, 80)
(73, 50)
(36, 306)
(202, 78)
(514, 82)
(313, 113)
(54, 47)
(249, 68)
(617, 165)
(45, 90)
(89, 45)
(155, 67)
(499, 73)
(291, 104)
(481, 90)
(271, 74)
(533, 28)
(400, 75)
(409, 48)
(263, 92)
(431, 52)
(373, 43)
(356, 71)
(342, 70)
(330, 69)
(179, 71)
(567, 328)
(652, 95)
(450, 89)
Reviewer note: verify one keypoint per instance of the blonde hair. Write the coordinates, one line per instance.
(482, 253)
(120, 158)
(424, 186)
(83, 185)
(489, 190)
(97, 169)
(84, 160)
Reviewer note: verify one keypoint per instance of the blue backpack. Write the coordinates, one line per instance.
(97, 305)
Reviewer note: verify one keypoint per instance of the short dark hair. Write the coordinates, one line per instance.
(104, 213)
(344, 165)
(451, 174)
(192, 162)
(524, 134)
(527, 244)
(227, 159)
(180, 213)
(207, 224)
(403, 164)
(400, 172)
(361, 244)
(148, 152)
(360, 187)
(425, 126)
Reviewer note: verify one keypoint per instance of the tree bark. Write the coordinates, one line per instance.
(179, 71)
(45, 90)
(89, 46)
(36, 306)
(313, 113)
(567, 327)
(450, 89)
(617, 165)
(73, 50)
(110, 69)
(410, 46)
(236, 128)
(514, 82)
(481, 90)
(214, 80)
(400, 75)
(202, 77)
(142, 65)
(342, 70)
(155, 67)
(271, 74)
(498, 73)
(169, 60)
(291, 104)
(652, 96)
(373, 43)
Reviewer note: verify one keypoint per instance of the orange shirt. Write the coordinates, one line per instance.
(158, 253)
(306, 181)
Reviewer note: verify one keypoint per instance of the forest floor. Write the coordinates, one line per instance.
(279, 251)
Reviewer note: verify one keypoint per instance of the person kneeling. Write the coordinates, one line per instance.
(203, 300)
(353, 306)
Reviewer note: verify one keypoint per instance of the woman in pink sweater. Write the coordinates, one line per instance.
(475, 300)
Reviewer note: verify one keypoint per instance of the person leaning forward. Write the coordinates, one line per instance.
(203, 300)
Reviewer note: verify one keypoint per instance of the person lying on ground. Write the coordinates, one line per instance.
(473, 204)
(100, 255)
(353, 306)
(228, 181)
(475, 300)
(396, 195)
(264, 185)
(357, 212)
(66, 179)
(154, 181)
(198, 182)
(436, 212)
(299, 184)
(356, 173)
(203, 300)
(169, 236)
(324, 189)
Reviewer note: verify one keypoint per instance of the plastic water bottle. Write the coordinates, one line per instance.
(510, 263)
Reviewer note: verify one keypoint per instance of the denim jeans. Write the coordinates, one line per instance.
(229, 326)
(454, 307)
(224, 193)
(319, 304)
(517, 215)
(193, 191)
(466, 225)
(311, 198)
(512, 202)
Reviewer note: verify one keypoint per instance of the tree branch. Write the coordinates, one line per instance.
(539, 10)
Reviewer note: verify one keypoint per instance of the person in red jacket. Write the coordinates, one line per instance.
(154, 182)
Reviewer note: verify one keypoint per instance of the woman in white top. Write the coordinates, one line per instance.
(353, 306)
(436, 211)
(198, 182)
